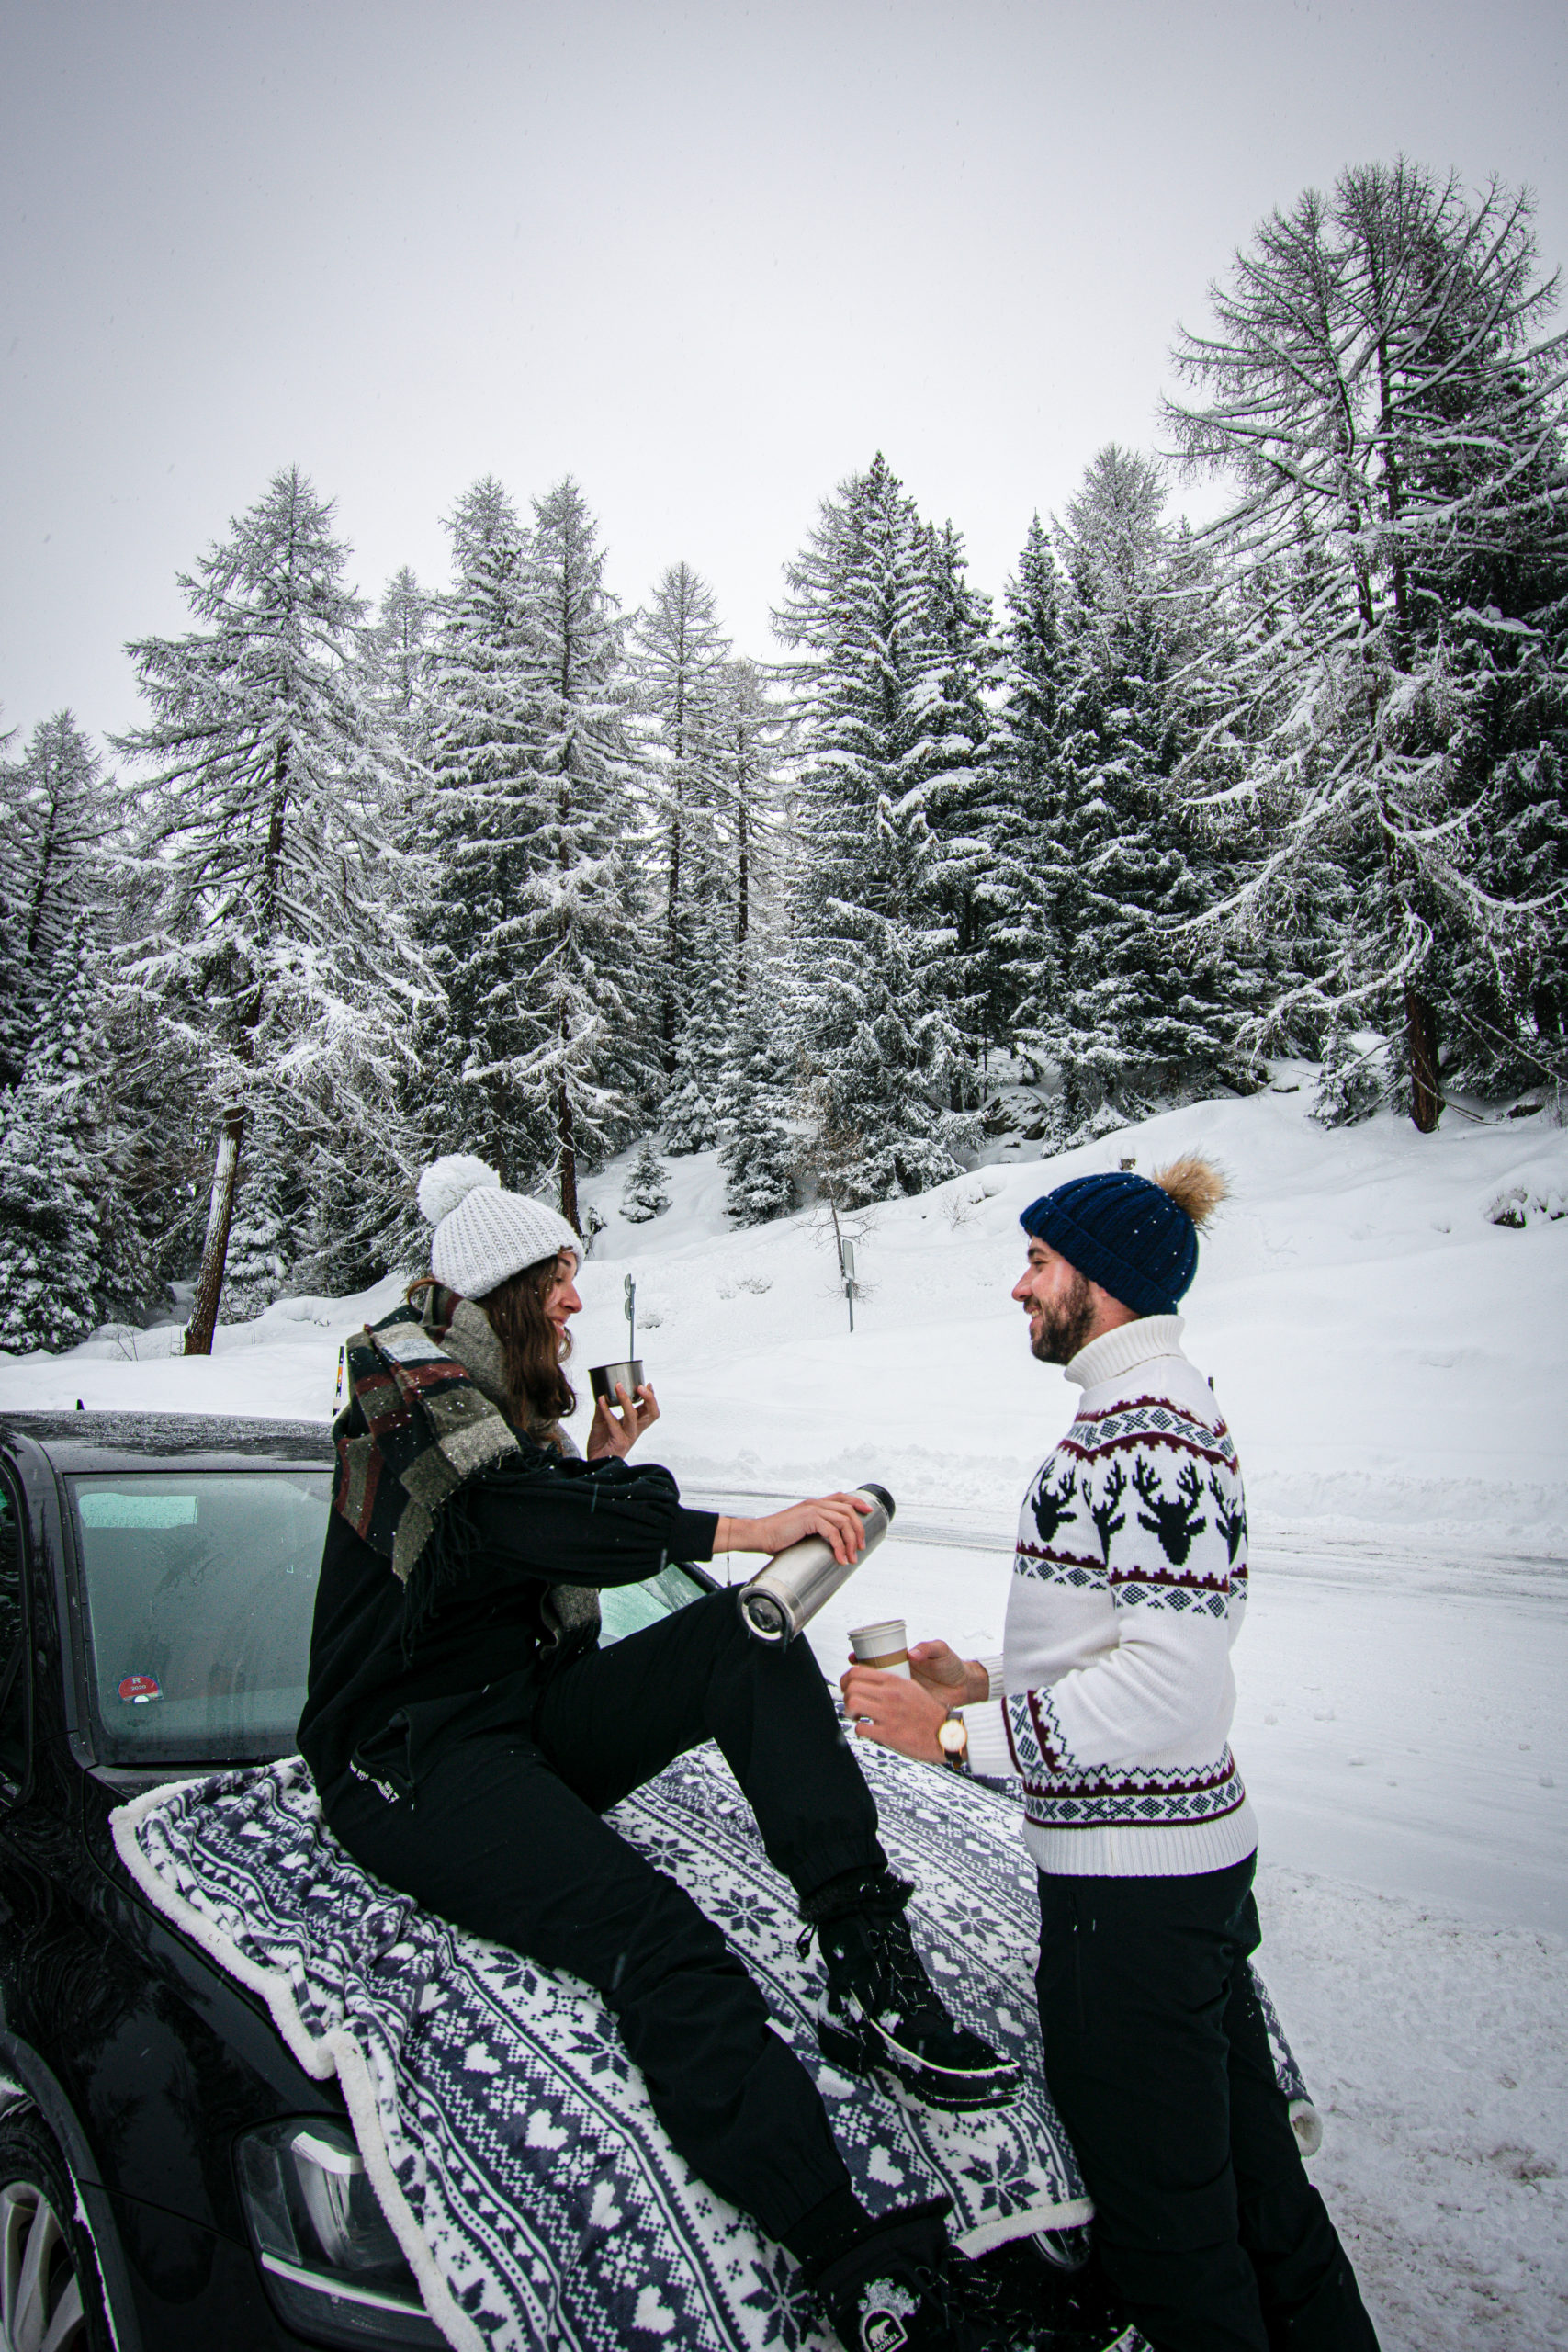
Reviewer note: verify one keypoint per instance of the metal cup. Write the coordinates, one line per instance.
(885, 1645)
(604, 1379)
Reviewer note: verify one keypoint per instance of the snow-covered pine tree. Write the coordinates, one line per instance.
(50, 1272)
(398, 650)
(93, 1100)
(1148, 1009)
(679, 664)
(963, 787)
(480, 819)
(341, 1209)
(398, 679)
(1378, 387)
(66, 892)
(647, 1192)
(715, 747)
(273, 1227)
(692, 1111)
(579, 939)
(152, 1076)
(275, 952)
(58, 817)
(1027, 878)
(1506, 991)
(754, 1090)
(71, 1256)
(882, 1054)
(760, 1150)
(754, 731)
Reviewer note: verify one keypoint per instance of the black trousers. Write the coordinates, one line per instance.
(487, 1812)
(1158, 2058)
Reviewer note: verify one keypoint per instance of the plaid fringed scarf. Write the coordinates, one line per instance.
(417, 1426)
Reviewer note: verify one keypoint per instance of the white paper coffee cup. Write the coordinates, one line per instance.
(885, 1645)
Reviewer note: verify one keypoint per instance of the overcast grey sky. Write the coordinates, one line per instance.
(705, 257)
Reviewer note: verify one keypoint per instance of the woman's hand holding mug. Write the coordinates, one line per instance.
(613, 1432)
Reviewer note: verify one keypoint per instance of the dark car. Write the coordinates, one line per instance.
(166, 2168)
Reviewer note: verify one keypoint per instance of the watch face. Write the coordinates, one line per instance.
(953, 1738)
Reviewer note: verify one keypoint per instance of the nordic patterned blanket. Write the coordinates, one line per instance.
(507, 2136)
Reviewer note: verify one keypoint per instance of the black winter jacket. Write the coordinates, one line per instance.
(541, 1521)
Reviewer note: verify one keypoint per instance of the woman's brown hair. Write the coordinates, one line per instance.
(537, 1389)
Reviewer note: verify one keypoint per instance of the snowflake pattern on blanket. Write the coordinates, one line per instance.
(538, 2198)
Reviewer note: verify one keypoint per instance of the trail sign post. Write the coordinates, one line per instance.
(846, 1260)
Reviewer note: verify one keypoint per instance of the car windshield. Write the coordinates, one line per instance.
(199, 1589)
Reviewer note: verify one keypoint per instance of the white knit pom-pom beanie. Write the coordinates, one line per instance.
(482, 1233)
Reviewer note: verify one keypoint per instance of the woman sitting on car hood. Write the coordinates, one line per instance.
(466, 1735)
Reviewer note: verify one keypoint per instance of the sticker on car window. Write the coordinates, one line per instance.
(137, 1688)
(104, 1507)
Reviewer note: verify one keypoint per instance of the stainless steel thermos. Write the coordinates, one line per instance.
(788, 1593)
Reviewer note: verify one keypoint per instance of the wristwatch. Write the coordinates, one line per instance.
(953, 1738)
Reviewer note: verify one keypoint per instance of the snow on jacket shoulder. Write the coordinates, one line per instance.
(1115, 1696)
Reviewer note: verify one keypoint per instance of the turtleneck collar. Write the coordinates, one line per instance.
(1129, 1345)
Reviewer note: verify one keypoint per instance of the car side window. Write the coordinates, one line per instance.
(13, 1648)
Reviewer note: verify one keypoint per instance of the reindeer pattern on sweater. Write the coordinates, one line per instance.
(1129, 1588)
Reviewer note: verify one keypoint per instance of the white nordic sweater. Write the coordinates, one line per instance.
(1115, 1695)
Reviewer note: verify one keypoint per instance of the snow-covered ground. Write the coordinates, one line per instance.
(1394, 1365)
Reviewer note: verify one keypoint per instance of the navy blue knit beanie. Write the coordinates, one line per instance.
(1133, 1238)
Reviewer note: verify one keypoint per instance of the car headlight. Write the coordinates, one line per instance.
(332, 2266)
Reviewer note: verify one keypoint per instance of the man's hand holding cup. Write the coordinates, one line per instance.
(900, 1697)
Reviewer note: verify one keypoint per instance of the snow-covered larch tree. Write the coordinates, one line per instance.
(275, 950)
(1379, 388)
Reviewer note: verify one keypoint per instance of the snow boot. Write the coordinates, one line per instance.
(881, 2010)
(1014, 2297)
(891, 2290)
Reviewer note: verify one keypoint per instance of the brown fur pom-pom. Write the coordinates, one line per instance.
(1194, 1184)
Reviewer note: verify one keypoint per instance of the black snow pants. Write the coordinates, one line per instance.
(1156, 2056)
(495, 1825)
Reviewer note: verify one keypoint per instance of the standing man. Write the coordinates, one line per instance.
(1113, 1706)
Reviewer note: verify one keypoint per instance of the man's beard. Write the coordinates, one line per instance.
(1065, 1325)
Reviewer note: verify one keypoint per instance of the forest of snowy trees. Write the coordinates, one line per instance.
(496, 868)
